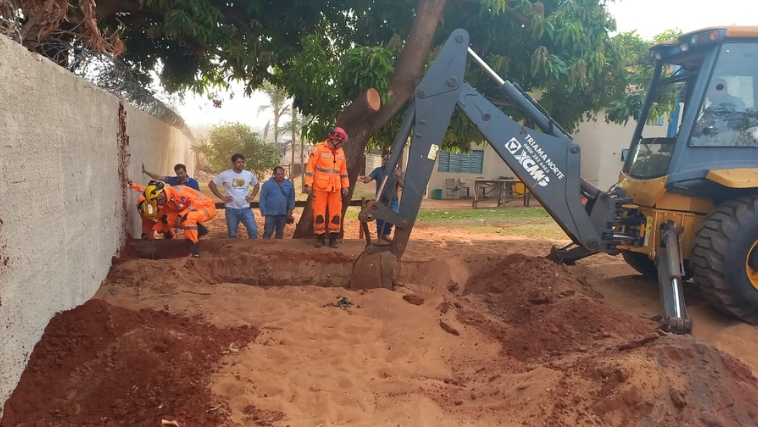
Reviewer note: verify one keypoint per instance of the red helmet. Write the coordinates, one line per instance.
(337, 133)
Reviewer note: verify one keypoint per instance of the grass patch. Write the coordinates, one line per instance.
(475, 215)
(533, 222)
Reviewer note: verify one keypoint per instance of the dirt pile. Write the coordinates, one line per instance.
(604, 367)
(104, 365)
(514, 340)
(549, 311)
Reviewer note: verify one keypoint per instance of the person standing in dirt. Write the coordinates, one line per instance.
(384, 230)
(237, 183)
(181, 177)
(189, 207)
(326, 182)
(277, 203)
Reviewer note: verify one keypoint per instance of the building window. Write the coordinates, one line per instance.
(658, 121)
(460, 163)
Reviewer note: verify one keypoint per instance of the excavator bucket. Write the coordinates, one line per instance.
(373, 269)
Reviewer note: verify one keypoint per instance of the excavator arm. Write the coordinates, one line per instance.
(547, 162)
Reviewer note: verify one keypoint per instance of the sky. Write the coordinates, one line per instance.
(647, 17)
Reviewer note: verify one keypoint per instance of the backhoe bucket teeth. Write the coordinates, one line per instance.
(568, 254)
(373, 270)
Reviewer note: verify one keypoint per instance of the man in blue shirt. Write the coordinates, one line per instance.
(181, 177)
(384, 230)
(277, 203)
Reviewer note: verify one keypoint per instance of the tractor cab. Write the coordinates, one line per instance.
(698, 127)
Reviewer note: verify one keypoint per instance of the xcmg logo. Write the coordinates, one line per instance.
(527, 162)
(513, 145)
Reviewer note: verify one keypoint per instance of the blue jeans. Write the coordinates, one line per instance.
(244, 215)
(387, 226)
(274, 221)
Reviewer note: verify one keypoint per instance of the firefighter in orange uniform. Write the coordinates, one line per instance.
(188, 206)
(326, 183)
(152, 221)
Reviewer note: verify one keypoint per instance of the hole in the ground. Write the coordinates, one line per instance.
(263, 263)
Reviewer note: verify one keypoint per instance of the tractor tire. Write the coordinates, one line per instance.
(641, 263)
(724, 258)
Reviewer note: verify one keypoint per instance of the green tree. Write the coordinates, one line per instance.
(198, 45)
(224, 141)
(294, 127)
(278, 104)
(638, 71)
(560, 48)
(328, 53)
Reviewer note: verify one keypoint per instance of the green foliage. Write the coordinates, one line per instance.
(311, 76)
(200, 45)
(638, 72)
(560, 48)
(328, 52)
(364, 68)
(224, 141)
(278, 104)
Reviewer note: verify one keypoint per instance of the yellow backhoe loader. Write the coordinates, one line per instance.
(686, 204)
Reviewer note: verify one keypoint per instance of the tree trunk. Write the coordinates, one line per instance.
(293, 116)
(302, 162)
(276, 128)
(360, 120)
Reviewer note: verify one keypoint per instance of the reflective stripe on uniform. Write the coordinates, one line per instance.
(191, 227)
(343, 176)
(206, 212)
(327, 170)
(309, 174)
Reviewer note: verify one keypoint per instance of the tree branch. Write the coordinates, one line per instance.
(518, 16)
(408, 70)
(233, 17)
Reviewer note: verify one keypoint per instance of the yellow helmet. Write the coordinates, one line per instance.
(149, 210)
(152, 191)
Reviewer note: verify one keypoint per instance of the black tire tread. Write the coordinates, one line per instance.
(641, 263)
(709, 255)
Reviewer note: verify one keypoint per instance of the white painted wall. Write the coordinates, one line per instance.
(602, 144)
(62, 213)
(493, 167)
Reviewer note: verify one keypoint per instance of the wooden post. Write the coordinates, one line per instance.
(360, 225)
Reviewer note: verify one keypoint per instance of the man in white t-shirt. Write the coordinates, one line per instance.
(237, 183)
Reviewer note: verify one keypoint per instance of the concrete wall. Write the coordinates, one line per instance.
(493, 167)
(62, 192)
(602, 144)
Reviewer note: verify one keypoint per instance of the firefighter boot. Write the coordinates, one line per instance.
(319, 240)
(194, 250)
(333, 240)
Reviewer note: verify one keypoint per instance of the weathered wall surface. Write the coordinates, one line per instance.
(62, 211)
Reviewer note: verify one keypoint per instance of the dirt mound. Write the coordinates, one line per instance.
(547, 311)
(671, 382)
(601, 366)
(104, 365)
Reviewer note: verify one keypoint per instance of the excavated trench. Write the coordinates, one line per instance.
(473, 337)
(272, 263)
